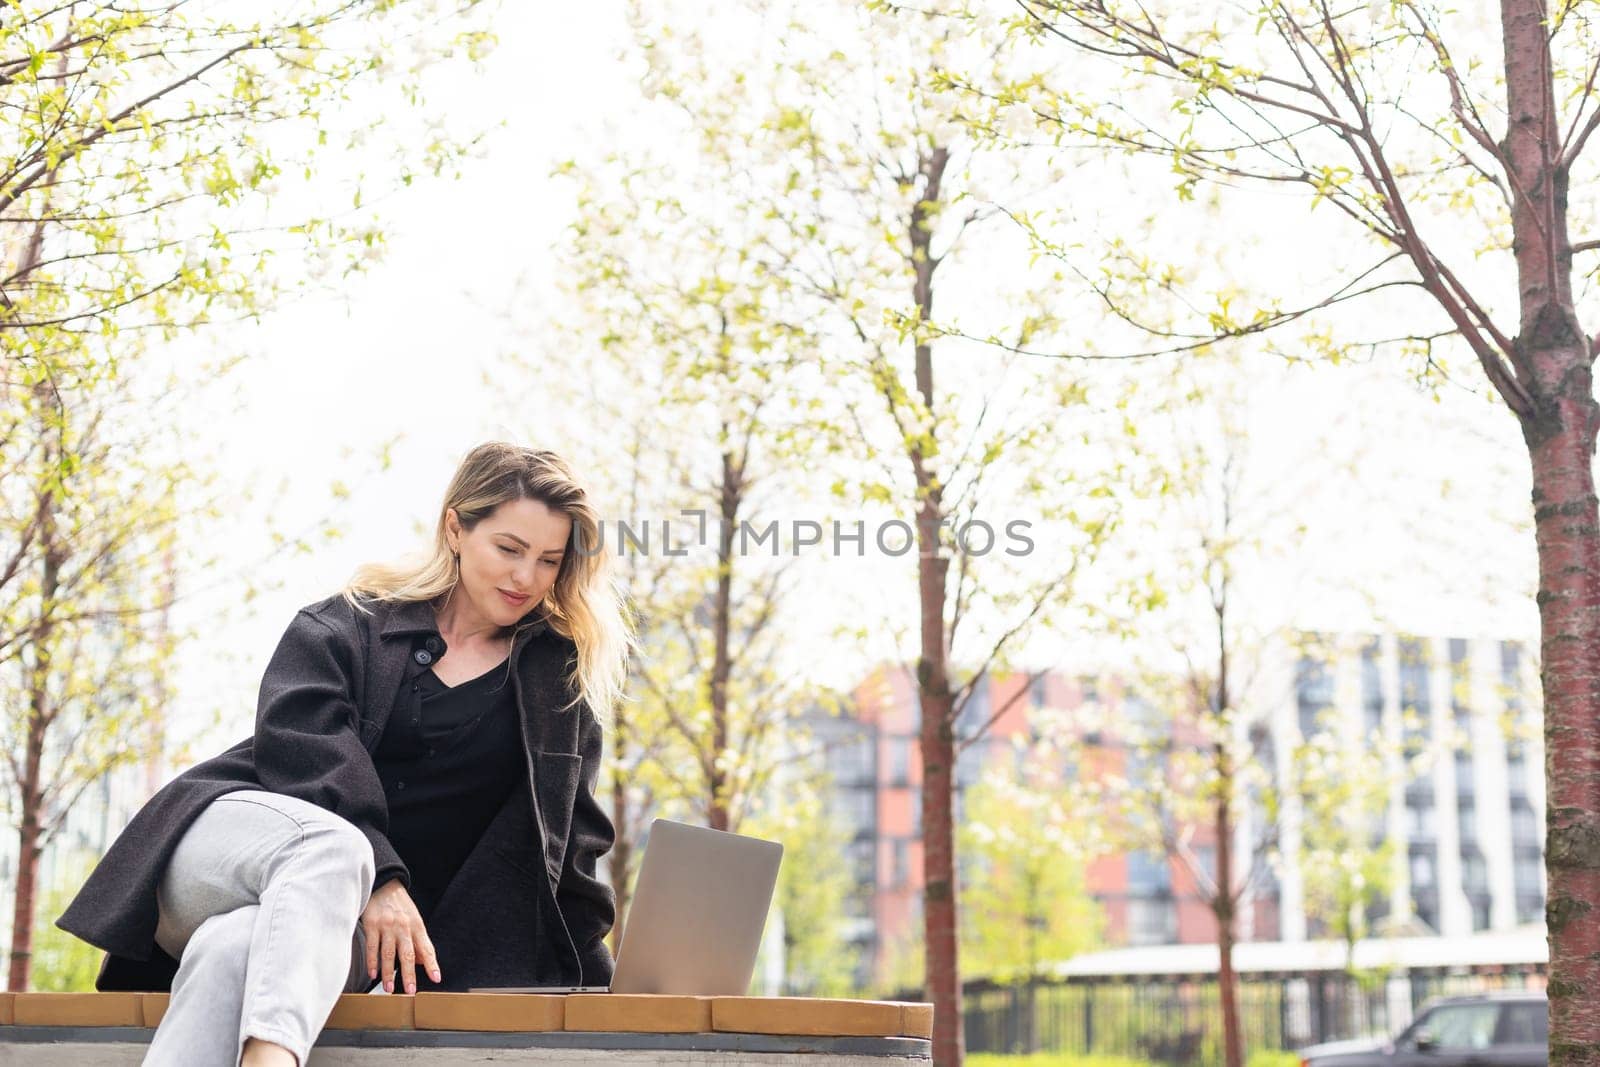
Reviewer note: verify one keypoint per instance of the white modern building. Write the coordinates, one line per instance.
(1464, 760)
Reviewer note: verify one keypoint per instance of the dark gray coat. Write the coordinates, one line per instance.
(526, 907)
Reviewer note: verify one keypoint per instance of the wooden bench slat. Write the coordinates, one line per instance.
(373, 1011)
(638, 1013)
(496, 1012)
(806, 1017)
(916, 1020)
(524, 1012)
(78, 1009)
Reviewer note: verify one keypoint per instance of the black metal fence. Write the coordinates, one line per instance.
(1178, 1020)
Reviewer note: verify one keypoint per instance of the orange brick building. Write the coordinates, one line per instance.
(874, 759)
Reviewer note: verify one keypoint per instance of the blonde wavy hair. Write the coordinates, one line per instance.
(584, 605)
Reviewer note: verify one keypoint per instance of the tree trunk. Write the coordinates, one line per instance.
(28, 851)
(1036, 919)
(718, 815)
(1224, 910)
(940, 904)
(30, 798)
(1355, 998)
(620, 859)
(1552, 358)
(621, 855)
(156, 725)
(1569, 594)
(1224, 907)
(942, 964)
(30, 788)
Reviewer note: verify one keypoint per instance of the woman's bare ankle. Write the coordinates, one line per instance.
(259, 1053)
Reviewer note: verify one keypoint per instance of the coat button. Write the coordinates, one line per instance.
(422, 656)
(430, 751)
(400, 785)
(435, 645)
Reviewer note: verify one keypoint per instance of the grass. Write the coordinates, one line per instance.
(1062, 1059)
(1051, 1059)
(1263, 1058)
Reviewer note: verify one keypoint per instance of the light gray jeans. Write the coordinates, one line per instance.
(261, 906)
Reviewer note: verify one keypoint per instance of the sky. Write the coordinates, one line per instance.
(414, 350)
(401, 352)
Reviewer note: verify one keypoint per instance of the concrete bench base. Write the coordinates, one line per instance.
(69, 1046)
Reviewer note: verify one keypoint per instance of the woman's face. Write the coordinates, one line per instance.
(509, 560)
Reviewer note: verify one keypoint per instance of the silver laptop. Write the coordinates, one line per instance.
(697, 916)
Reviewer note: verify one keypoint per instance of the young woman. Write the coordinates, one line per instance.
(416, 804)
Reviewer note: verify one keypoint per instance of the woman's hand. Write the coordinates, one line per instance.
(394, 929)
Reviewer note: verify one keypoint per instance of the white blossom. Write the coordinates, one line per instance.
(947, 131)
(1017, 121)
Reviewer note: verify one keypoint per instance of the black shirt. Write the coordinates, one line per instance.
(447, 759)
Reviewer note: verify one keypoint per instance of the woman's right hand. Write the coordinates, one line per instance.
(394, 930)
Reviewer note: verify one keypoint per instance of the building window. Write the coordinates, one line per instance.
(1313, 692)
(978, 707)
(899, 760)
(1474, 873)
(864, 862)
(1511, 677)
(1527, 873)
(1149, 874)
(969, 764)
(1419, 792)
(1466, 779)
(858, 904)
(1371, 689)
(1510, 662)
(1426, 908)
(1525, 828)
(1467, 821)
(1517, 772)
(1036, 691)
(1310, 720)
(1460, 681)
(1315, 682)
(1527, 878)
(856, 809)
(852, 761)
(1424, 874)
(1416, 707)
(1152, 921)
(1414, 675)
(1420, 822)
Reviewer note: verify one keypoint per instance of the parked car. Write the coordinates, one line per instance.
(1507, 1029)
